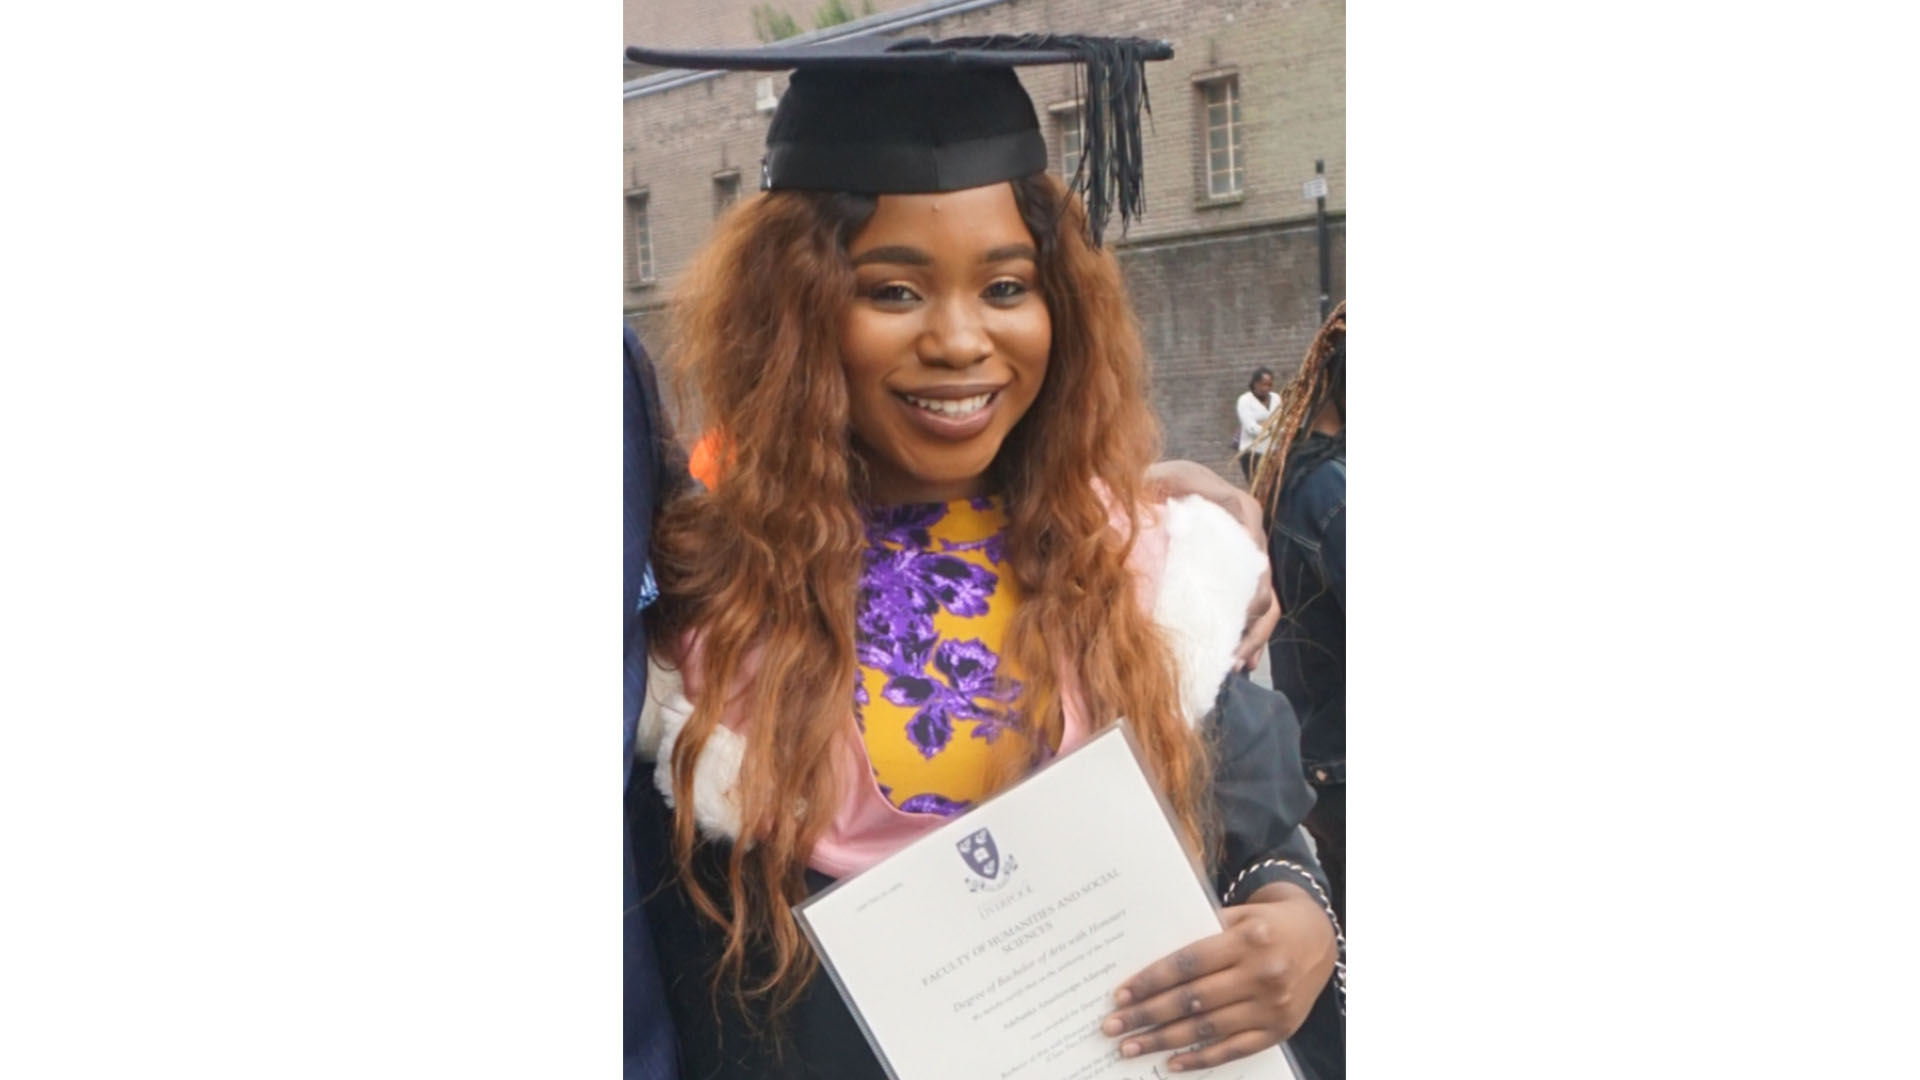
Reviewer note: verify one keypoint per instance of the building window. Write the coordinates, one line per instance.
(726, 191)
(1072, 141)
(1225, 157)
(640, 240)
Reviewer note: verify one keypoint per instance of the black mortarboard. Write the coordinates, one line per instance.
(895, 117)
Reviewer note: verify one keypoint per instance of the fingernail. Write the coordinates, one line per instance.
(1174, 1066)
(1129, 1049)
(1112, 1026)
(1123, 995)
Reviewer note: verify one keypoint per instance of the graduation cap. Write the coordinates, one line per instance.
(880, 116)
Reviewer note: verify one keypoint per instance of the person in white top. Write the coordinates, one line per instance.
(1254, 407)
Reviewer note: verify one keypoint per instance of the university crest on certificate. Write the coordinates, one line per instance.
(990, 949)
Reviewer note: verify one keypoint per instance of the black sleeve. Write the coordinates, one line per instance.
(1261, 795)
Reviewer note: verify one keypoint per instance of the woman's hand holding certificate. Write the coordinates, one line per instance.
(1239, 991)
(992, 949)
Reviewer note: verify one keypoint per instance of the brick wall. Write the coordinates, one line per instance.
(1223, 285)
(1214, 309)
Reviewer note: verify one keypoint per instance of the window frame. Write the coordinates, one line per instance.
(1070, 117)
(640, 260)
(1226, 86)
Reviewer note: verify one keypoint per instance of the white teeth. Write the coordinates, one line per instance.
(961, 408)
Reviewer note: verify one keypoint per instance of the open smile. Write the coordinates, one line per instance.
(958, 408)
(951, 413)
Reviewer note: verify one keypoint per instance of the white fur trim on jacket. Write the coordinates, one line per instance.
(1211, 572)
(1213, 568)
(662, 717)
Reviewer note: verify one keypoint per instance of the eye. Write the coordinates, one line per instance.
(892, 293)
(1006, 289)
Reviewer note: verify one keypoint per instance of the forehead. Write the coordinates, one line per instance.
(982, 218)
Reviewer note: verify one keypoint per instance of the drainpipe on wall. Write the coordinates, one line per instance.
(1326, 252)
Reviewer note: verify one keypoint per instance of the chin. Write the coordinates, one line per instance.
(949, 478)
(952, 472)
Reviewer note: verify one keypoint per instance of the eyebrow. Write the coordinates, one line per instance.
(911, 256)
(905, 256)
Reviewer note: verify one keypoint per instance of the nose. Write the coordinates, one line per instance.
(955, 335)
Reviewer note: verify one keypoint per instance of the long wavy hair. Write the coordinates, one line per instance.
(763, 570)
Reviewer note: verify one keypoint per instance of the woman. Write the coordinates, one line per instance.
(934, 397)
(1253, 408)
(1304, 488)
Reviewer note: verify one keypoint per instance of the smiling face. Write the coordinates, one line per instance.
(944, 342)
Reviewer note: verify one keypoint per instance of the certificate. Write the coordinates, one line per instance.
(991, 948)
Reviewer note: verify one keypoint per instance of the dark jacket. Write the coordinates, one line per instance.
(1261, 800)
(649, 1044)
(1307, 544)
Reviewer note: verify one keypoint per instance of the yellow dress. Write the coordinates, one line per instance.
(932, 697)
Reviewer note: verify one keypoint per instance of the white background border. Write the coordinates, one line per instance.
(309, 409)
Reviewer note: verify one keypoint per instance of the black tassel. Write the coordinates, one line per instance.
(1111, 81)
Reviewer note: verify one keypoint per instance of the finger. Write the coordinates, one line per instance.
(1253, 636)
(1246, 655)
(1263, 614)
(1234, 1047)
(1219, 990)
(1270, 613)
(1203, 957)
(1190, 1031)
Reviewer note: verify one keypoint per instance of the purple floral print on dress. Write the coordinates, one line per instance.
(929, 803)
(958, 585)
(993, 547)
(968, 669)
(903, 584)
(904, 525)
(893, 629)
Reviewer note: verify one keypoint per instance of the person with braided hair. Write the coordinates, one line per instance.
(1303, 487)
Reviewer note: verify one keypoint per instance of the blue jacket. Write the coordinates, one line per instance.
(1307, 545)
(650, 1052)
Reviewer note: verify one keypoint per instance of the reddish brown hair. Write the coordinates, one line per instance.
(764, 570)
